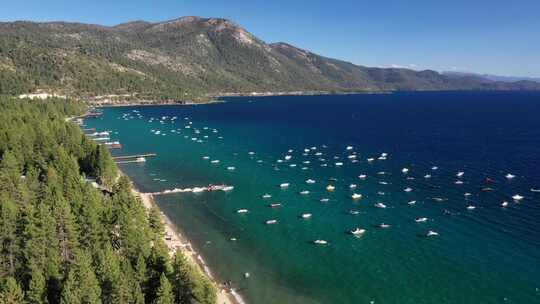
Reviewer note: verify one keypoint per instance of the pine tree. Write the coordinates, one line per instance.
(164, 293)
(11, 292)
(9, 248)
(37, 287)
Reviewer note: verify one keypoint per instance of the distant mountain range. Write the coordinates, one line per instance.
(187, 58)
(491, 77)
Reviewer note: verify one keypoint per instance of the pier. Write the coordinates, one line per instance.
(127, 157)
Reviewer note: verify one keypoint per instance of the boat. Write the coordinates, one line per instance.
(460, 174)
(383, 225)
(458, 182)
(427, 176)
(380, 205)
(275, 205)
(227, 188)
(434, 168)
(241, 211)
(362, 176)
(310, 181)
(356, 196)
(357, 231)
(288, 157)
(270, 222)
(324, 200)
(471, 207)
(411, 203)
(421, 219)
(266, 195)
(320, 242)
(517, 197)
(349, 148)
(292, 165)
(338, 164)
(354, 212)
(504, 204)
(383, 183)
(432, 233)
(467, 194)
(510, 176)
(405, 170)
(408, 189)
(535, 190)
(231, 168)
(140, 159)
(370, 159)
(215, 161)
(284, 185)
(306, 215)
(330, 188)
(304, 192)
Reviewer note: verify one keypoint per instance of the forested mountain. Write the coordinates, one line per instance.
(64, 241)
(188, 57)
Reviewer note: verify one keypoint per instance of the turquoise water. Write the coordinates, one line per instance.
(487, 255)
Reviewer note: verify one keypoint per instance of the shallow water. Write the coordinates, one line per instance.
(486, 255)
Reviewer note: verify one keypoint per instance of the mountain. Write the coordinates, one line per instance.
(187, 58)
(491, 77)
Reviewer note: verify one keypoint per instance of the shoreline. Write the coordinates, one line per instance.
(175, 240)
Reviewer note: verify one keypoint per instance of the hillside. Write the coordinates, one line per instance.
(186, 58)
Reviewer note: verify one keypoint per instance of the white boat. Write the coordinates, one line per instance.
(411, 203)
(405, 170)
(380, 205)
(354, 212)
(421, 219)
(510, 176)
(432, 233)
(434, 168)
(310, 181)
(275, 205)
(370, 159)
(383, 225)
(266, 195)
(467, 194)
(352, 186)
(251, 153)
(362, 176)
(284, 185)
(458, 182)
(517, 197)
(306, 215)
(304, 192)
(381, 158)
(460, 174)
(324, 200)
(427, 176)
(215, 161)
(504, 204)
(330, 188)
(351, 156)
(349, 148)
(384, 154)
(535, 190)
(231, 168)
(140, 159)
(227, 188)
(242, 211)
(270, 222)
(471, 207)
(320, 242)
(338, 164)
(307, 162)
(288, 157)
(408, 189)
(357, 231)
(292, 165)
(356, 196)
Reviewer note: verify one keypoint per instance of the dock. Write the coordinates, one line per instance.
(123, 157)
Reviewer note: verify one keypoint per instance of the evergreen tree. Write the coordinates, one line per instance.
(164, 293)
(11, 292)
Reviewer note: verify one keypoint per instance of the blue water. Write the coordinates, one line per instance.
(487, 255)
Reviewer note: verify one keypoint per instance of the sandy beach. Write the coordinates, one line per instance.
(176, 241)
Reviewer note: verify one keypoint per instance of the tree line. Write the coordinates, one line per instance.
(64, 241)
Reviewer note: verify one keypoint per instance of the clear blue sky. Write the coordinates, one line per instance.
(488, 36)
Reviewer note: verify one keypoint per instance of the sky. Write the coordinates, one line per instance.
(496, 37)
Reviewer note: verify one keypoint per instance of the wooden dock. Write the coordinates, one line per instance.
(122, 157)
